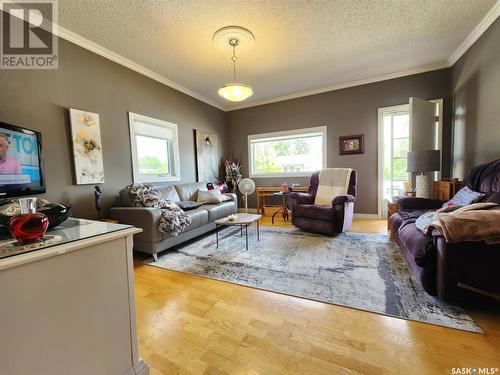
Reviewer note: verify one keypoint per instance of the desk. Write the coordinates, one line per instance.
(268, 191)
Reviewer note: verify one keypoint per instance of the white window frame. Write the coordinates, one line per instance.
(382, 211)
(138, 178)
(252, 137)
(397, 109)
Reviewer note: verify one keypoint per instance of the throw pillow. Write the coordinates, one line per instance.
(226, 198)
(222, 187)
(464, 197)
(188, 205)
(210, 196)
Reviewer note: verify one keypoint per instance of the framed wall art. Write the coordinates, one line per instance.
(351, 144)
(87, 147)
(207, 156)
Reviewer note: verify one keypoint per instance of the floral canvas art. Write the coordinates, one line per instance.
(87, 147)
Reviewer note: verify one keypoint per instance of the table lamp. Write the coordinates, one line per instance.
(421, 162)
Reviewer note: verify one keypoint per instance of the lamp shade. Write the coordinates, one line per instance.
(235, 92)
(424, 161)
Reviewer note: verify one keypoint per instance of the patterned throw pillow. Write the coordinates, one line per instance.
(188, 205)
(464, 197)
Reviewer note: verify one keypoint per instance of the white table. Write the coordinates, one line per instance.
(243, 220)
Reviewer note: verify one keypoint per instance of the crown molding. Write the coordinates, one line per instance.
(385, 77)
(479, 30)
(476, 33)
(119, 59)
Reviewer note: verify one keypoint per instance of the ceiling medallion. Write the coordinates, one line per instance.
(234, 36)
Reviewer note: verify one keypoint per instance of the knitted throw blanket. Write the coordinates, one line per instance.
(173, 219)
(332, 182)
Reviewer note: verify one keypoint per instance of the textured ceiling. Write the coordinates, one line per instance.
(300, 45)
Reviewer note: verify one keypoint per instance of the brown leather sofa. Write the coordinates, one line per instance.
(327, 220)
(441, 266)
(151, 240)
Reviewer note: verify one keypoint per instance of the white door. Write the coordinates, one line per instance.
(425, 125)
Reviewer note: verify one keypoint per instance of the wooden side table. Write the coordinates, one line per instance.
(446, 189)
(392, 208)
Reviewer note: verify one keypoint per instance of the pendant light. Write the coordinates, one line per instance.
(235, 92)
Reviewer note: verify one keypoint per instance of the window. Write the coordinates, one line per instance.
(396, 147)
(155, 149)
(287, 153)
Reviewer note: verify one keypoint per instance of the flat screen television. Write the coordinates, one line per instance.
(21, 169)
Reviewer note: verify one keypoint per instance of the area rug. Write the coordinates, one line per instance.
(363, 271)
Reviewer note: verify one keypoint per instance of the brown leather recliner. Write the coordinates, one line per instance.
(327, 220)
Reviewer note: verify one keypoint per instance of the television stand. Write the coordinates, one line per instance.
(69, 307)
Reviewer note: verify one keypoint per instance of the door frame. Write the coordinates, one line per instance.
(380, 141)
(439, 102)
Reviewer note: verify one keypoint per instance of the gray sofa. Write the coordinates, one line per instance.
(151, 240)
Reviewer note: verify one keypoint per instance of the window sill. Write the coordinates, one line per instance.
(155, 180)
(282, 175)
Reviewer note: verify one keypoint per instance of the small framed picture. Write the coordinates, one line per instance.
(351, 144)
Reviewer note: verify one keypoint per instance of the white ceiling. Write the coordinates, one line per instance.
(300, 46)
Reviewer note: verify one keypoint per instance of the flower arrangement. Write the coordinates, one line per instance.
(233, 175)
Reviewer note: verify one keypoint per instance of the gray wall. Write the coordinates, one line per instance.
(345, 112)
(476, 91)
(40, 100)
(84, 80)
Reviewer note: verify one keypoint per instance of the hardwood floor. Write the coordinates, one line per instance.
(193, 325)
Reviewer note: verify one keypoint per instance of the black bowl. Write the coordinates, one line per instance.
(56, 213)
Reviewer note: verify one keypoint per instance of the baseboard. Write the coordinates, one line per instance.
(359, 216)
(250, 210)
(366, 216)
(140, 368)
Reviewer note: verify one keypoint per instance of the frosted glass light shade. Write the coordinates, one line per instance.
(235, 92)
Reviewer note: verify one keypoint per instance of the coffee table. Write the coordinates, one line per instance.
(243, 220)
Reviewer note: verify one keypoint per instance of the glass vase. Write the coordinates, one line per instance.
(29, 225)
